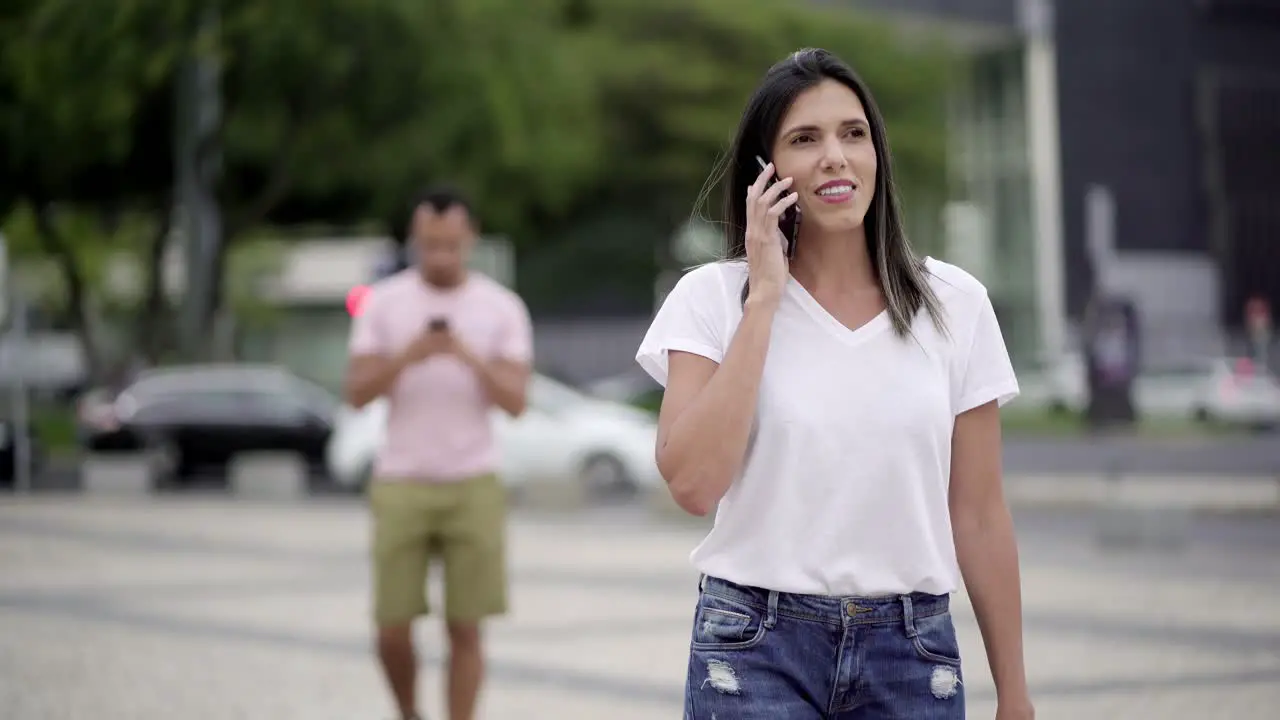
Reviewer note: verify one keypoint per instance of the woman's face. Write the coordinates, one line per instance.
(824, 143)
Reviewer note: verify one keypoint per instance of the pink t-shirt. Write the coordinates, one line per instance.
(438, 425)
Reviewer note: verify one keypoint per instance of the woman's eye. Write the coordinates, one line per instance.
(799, 139)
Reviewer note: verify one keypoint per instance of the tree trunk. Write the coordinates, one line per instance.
(254, 212)
(154, 328)
(55, 245)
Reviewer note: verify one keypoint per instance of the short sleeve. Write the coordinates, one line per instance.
(516, 342)
(691, 319)
(985, 371)
(367, 336)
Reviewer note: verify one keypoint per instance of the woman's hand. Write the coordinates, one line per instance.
(766, 262)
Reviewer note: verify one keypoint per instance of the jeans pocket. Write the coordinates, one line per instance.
(724, 624)
(935, 639)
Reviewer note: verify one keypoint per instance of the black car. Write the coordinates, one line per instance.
(198, 417)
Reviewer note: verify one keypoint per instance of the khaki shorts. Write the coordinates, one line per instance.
(462, 523)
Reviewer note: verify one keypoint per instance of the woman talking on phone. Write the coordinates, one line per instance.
(837, 406)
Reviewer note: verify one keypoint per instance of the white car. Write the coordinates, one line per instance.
(1225, 390)
(1238, 392)
(1165, 393)
(563, 435)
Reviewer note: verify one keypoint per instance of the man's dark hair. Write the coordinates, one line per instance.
(443, 197)
(439, 198)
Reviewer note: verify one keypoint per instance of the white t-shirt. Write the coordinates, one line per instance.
(844, 488)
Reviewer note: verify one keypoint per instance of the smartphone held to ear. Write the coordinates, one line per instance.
(789, 223)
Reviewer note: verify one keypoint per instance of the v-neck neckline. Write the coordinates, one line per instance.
(833, 326)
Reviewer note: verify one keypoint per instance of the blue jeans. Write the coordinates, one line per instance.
(758, 654)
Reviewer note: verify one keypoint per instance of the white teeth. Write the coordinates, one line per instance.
(836, 190)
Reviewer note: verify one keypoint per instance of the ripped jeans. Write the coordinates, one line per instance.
(759, 654)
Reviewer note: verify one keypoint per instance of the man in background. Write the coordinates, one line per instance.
(443, 345)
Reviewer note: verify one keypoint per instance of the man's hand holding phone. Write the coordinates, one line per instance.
(436, 339)
(765, 242)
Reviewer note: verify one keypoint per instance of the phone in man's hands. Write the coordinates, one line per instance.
(789, 223)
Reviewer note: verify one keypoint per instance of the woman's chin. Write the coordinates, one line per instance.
(838, 222)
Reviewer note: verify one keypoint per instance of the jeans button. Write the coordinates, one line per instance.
(851, 609)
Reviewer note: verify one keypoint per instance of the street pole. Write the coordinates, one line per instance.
(18, 351)
(1040, 79)
(198, 162)
(21, 400)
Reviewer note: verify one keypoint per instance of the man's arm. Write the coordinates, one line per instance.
(506, 382)
(373, 368)
(506, 377)
(371, 376)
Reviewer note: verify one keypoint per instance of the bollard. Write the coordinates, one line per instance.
(268, 476)
(119, 474)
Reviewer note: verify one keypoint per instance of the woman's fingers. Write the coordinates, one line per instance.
(779, 207)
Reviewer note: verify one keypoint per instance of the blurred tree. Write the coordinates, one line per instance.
(330, 116)
(674, 76)
(81, 86)
(317, 100)
(583, 128)
(512, 115)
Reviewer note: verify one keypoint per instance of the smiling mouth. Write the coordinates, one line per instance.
(836, 193)
(835, 190)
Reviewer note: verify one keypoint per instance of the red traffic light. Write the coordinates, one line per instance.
(356, 298)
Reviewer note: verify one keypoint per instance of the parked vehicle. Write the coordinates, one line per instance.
(1224, 390)
(563, 435)
(633, 387)
(50, 364)
(1237, 391)
(197, 417)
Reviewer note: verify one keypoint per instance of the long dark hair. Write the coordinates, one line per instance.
(901, 273)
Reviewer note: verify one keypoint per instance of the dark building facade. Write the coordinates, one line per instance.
(1175, 106)
(1172, 106)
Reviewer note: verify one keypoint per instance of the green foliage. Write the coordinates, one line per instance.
(584, 129)
(97, 243)
(315, 98)
(251, 266)
(673, 77)
(511, 115)
(75, 76)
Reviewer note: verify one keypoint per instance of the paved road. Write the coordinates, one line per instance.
(200, 608)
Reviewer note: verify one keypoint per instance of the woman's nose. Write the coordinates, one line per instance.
(833, 157)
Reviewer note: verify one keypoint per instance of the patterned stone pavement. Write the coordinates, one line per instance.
(201, 608)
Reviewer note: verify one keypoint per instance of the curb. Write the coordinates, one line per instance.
(1232, 494)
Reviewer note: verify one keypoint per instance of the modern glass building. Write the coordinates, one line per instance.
(991, 224)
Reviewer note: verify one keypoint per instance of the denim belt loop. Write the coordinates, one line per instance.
(908, 616)
(772, 618)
